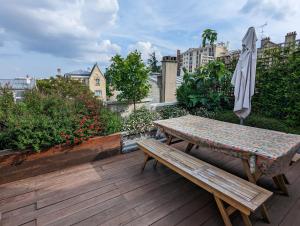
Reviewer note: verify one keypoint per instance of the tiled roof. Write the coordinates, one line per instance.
(19, 83)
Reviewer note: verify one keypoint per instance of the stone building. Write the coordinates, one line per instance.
(94, 79)
(265, 44)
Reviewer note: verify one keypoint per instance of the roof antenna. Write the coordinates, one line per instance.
(262, 29)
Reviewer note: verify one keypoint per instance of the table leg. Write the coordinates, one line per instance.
(286, 181)
(189, 147)
(280, 183)
(253, 179)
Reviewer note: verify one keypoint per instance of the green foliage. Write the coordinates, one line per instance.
(130, 77)
(112, 122)
(109, 80)
(172, 112)
(209, 35)
(48, 117)
(259, 121)
(203, 112)
(208, 87)
(140, 121)
(6, 102)
(277, 88)
(153, 63)
(64, 87)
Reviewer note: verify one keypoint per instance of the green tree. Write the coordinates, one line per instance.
(6, 102)
(153, 63)
(208, 87)
(130, 77)
(64, 87)
(210, 36)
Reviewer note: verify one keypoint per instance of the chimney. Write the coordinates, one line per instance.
(27, 79)
(169, 74)
(290, 37)
(264, 42)
(179, 62)
(58, 71)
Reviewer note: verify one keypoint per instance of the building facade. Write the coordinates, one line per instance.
(19, 86)
(194, 58)
(94, 79)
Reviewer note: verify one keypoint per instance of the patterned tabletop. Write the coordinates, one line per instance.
(263, 143)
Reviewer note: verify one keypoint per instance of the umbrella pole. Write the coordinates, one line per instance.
(241, 121)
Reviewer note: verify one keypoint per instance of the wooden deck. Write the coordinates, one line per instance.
(113, 192)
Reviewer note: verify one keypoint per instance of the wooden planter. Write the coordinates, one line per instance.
(16, 165)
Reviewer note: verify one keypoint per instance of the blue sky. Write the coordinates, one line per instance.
(37, 37)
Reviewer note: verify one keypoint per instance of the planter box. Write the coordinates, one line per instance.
(16, 165)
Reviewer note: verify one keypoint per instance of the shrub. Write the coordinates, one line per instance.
(140, 121)
(43, 120)
(172, 112)
(6, 102)
(112, 122)
(203, 112)
(208, 87)
(278, 88)
(257, 120)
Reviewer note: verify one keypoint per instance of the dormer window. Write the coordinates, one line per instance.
(97, 82)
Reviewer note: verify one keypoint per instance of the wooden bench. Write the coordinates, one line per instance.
(239, 194)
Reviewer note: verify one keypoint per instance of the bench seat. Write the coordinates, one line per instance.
(238, 193)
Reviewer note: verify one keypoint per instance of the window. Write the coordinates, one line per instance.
(97, 82)
(98, 93)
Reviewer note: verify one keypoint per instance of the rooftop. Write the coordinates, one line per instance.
(18, 83)
(112, 191)
(79, 73)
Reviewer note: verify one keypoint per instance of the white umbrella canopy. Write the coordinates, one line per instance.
(243, 78)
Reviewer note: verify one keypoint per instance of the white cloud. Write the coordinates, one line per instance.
(102, 51)
(61, 28)
(146, 48)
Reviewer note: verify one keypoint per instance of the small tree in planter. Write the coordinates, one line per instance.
(130, 77)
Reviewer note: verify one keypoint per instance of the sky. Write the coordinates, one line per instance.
(39, 36)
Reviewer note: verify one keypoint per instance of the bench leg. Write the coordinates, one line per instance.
(147, 158)
(223, 211)
(253, 179)
(246, 219)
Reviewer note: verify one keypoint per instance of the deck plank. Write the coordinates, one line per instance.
(112, 191)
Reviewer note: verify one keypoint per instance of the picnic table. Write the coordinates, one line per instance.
(263, 152)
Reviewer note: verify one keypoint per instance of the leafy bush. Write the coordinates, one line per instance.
(203, 112)
(112, 122)
(140, 121)
(208, 87)
(278, 88)
(6, 102)
(44, 119)
(259, 121)
(172, 112)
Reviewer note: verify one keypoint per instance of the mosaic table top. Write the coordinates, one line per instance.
(264, 143)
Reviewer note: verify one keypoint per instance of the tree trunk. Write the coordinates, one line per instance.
(134, 108)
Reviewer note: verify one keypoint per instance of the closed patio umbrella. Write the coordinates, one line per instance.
(243, 78)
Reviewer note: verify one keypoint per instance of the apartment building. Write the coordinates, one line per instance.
(193, 58)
